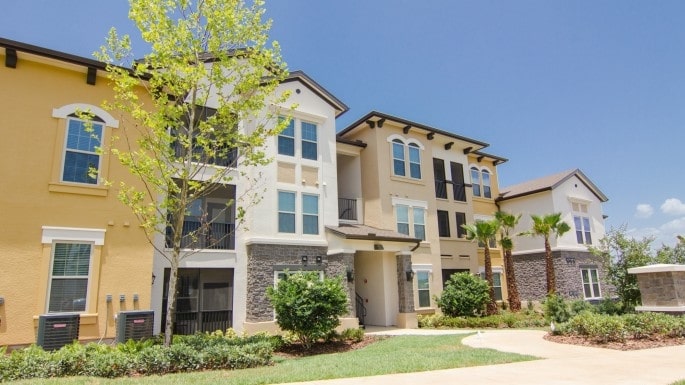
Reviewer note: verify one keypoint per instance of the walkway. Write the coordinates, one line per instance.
(560, 364)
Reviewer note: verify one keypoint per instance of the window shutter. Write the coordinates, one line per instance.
(439, 176)
(458, 187)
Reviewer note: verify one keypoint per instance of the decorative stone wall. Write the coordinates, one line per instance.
(662, 288)
(405, 288)
(264, 259)
(531, 279)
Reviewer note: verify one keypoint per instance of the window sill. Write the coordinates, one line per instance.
(482, 199)
(407, 180)
(94, 190)
(84, 319)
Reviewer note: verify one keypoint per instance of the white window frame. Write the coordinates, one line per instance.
(303, 140)
(405, 144)
(475, 181)
(87, 277)
(400, 144)
(486, 187)
(427, 273)
(304, 214)
(410, 204)
(419, 223)
(293, 213)
(591, 283)
(282, 135)
(499, 271)
(397, 219)
(66, 149)
(414, 147)
(582, 223)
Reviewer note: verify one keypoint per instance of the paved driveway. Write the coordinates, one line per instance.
(560, 364)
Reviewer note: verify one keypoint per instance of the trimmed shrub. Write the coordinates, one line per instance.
(556, 309)
(307, 306)
(464, 295)
(504, 320)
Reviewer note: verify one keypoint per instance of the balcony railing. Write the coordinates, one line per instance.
(227, 159)
(347, 209)
(198, 235)
(441, 189)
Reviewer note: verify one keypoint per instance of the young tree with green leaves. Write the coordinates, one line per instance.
(546, 226)
(619, 252)
(482, 232)
(198, 102)
(506, 224)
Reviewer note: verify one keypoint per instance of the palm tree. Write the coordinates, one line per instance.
(545, 226)
(483, 232)
(507, 222)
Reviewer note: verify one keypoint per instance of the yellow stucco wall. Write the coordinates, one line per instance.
(32, 197)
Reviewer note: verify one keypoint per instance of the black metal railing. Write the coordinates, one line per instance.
(198, 235)
(187, 322)
(347, 209)
(216, 320)
(224, 158)
(361, 309)
(441, 189)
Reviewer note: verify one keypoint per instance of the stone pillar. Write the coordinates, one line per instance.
(405, 288)
(662, 288)
(338, 265)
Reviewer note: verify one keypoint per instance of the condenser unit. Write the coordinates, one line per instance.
(57, 330)
(136, 325)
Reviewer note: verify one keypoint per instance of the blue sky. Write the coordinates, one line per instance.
(551, 85)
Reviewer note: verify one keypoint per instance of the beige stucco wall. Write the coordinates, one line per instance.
(32, 197)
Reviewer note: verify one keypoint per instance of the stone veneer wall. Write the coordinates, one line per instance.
(531, 279)
(264, 259)
(662, 288)
(405, 288)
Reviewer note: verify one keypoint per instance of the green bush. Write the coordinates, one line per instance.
(556, 309)
(579, 306)
(614, 328)
(464, 295)
(307, 306)
(612, 307)
(503, 320)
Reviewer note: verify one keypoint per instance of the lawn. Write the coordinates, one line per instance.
(401, 354)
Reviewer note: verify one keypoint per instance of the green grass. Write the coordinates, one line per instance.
(401, 354)
(681, 382)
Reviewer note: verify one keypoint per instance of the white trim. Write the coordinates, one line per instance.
(481, 217)
(71, 234)
(415, 267)
(661, 308)
(285, 241)
(573, 199)
(495, 269)
(658, 268)
(64, 112)
(340, 251)
(405, 141)
(409, 202)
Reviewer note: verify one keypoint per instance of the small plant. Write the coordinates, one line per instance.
(464, 295)
(307, 306)
(355, 335)
(556, 309)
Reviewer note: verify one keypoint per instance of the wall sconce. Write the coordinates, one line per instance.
(135, 297)
(122, 297)
(304, 259)
(350, 275)
(319, 259)
(153, 278)
(2, 300)
(410, 275)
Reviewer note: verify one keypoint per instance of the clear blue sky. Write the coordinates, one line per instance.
(551, 85)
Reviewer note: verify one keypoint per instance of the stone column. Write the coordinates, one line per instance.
(405, 288)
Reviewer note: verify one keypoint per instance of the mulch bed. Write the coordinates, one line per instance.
(630, 344)
(297, 350)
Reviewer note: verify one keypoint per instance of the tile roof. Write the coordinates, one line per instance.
(548, 183)
(356, 231)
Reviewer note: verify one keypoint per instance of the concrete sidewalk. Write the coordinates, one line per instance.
(559, 363)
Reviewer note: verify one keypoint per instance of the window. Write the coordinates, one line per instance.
(286, 139)
(423, 288)
(80, 151)
(309, 141)
(310, 214)
(590, 283)
(439, 176)
(403, 150)
(414, 161)
(486, 184)
(398, 157)
(419, 223)
(461, 221)
(402, 213)
(496, 283)
(458, 187)
(69, 277)
(581, 221)
(286, 212)
(492, 243)
(475, 181)
(444, 223)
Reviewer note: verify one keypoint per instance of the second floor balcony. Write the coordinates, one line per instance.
(198, 235)
(349, 210)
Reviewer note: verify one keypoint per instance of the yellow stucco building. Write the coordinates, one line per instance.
(67, 244)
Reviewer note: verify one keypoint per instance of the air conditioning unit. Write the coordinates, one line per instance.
(57, 330)
(136, 325)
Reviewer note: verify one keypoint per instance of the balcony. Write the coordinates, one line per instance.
(347, 209)
(198, 235)
(225, 158)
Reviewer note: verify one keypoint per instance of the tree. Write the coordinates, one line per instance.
(483, 232)
(506, 223)
(210, 53)
(619, 253)
(307, 306)
(546, 226)
(464, 295)
(672, 254)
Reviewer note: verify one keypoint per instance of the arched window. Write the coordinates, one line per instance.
(398, 157)
(475, 181)
(487, 192)
(414, 161)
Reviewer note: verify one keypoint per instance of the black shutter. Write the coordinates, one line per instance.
(443, 223)
(458, 187)
(439, 176)
(461, 220)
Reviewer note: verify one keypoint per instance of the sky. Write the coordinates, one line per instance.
(551, 85)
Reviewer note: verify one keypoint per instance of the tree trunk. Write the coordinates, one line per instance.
(492, 304)
(171, 303)
(512, 290)
(549, 269)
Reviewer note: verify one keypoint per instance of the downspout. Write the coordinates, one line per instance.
(417, 246)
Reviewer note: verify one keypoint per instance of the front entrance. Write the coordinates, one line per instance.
(204, 302)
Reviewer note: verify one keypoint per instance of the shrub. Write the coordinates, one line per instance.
(556, 309)
(579, 306)
(355, 335)
(464, 295)
(307, 306)
(503, 320)
(613, 307)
